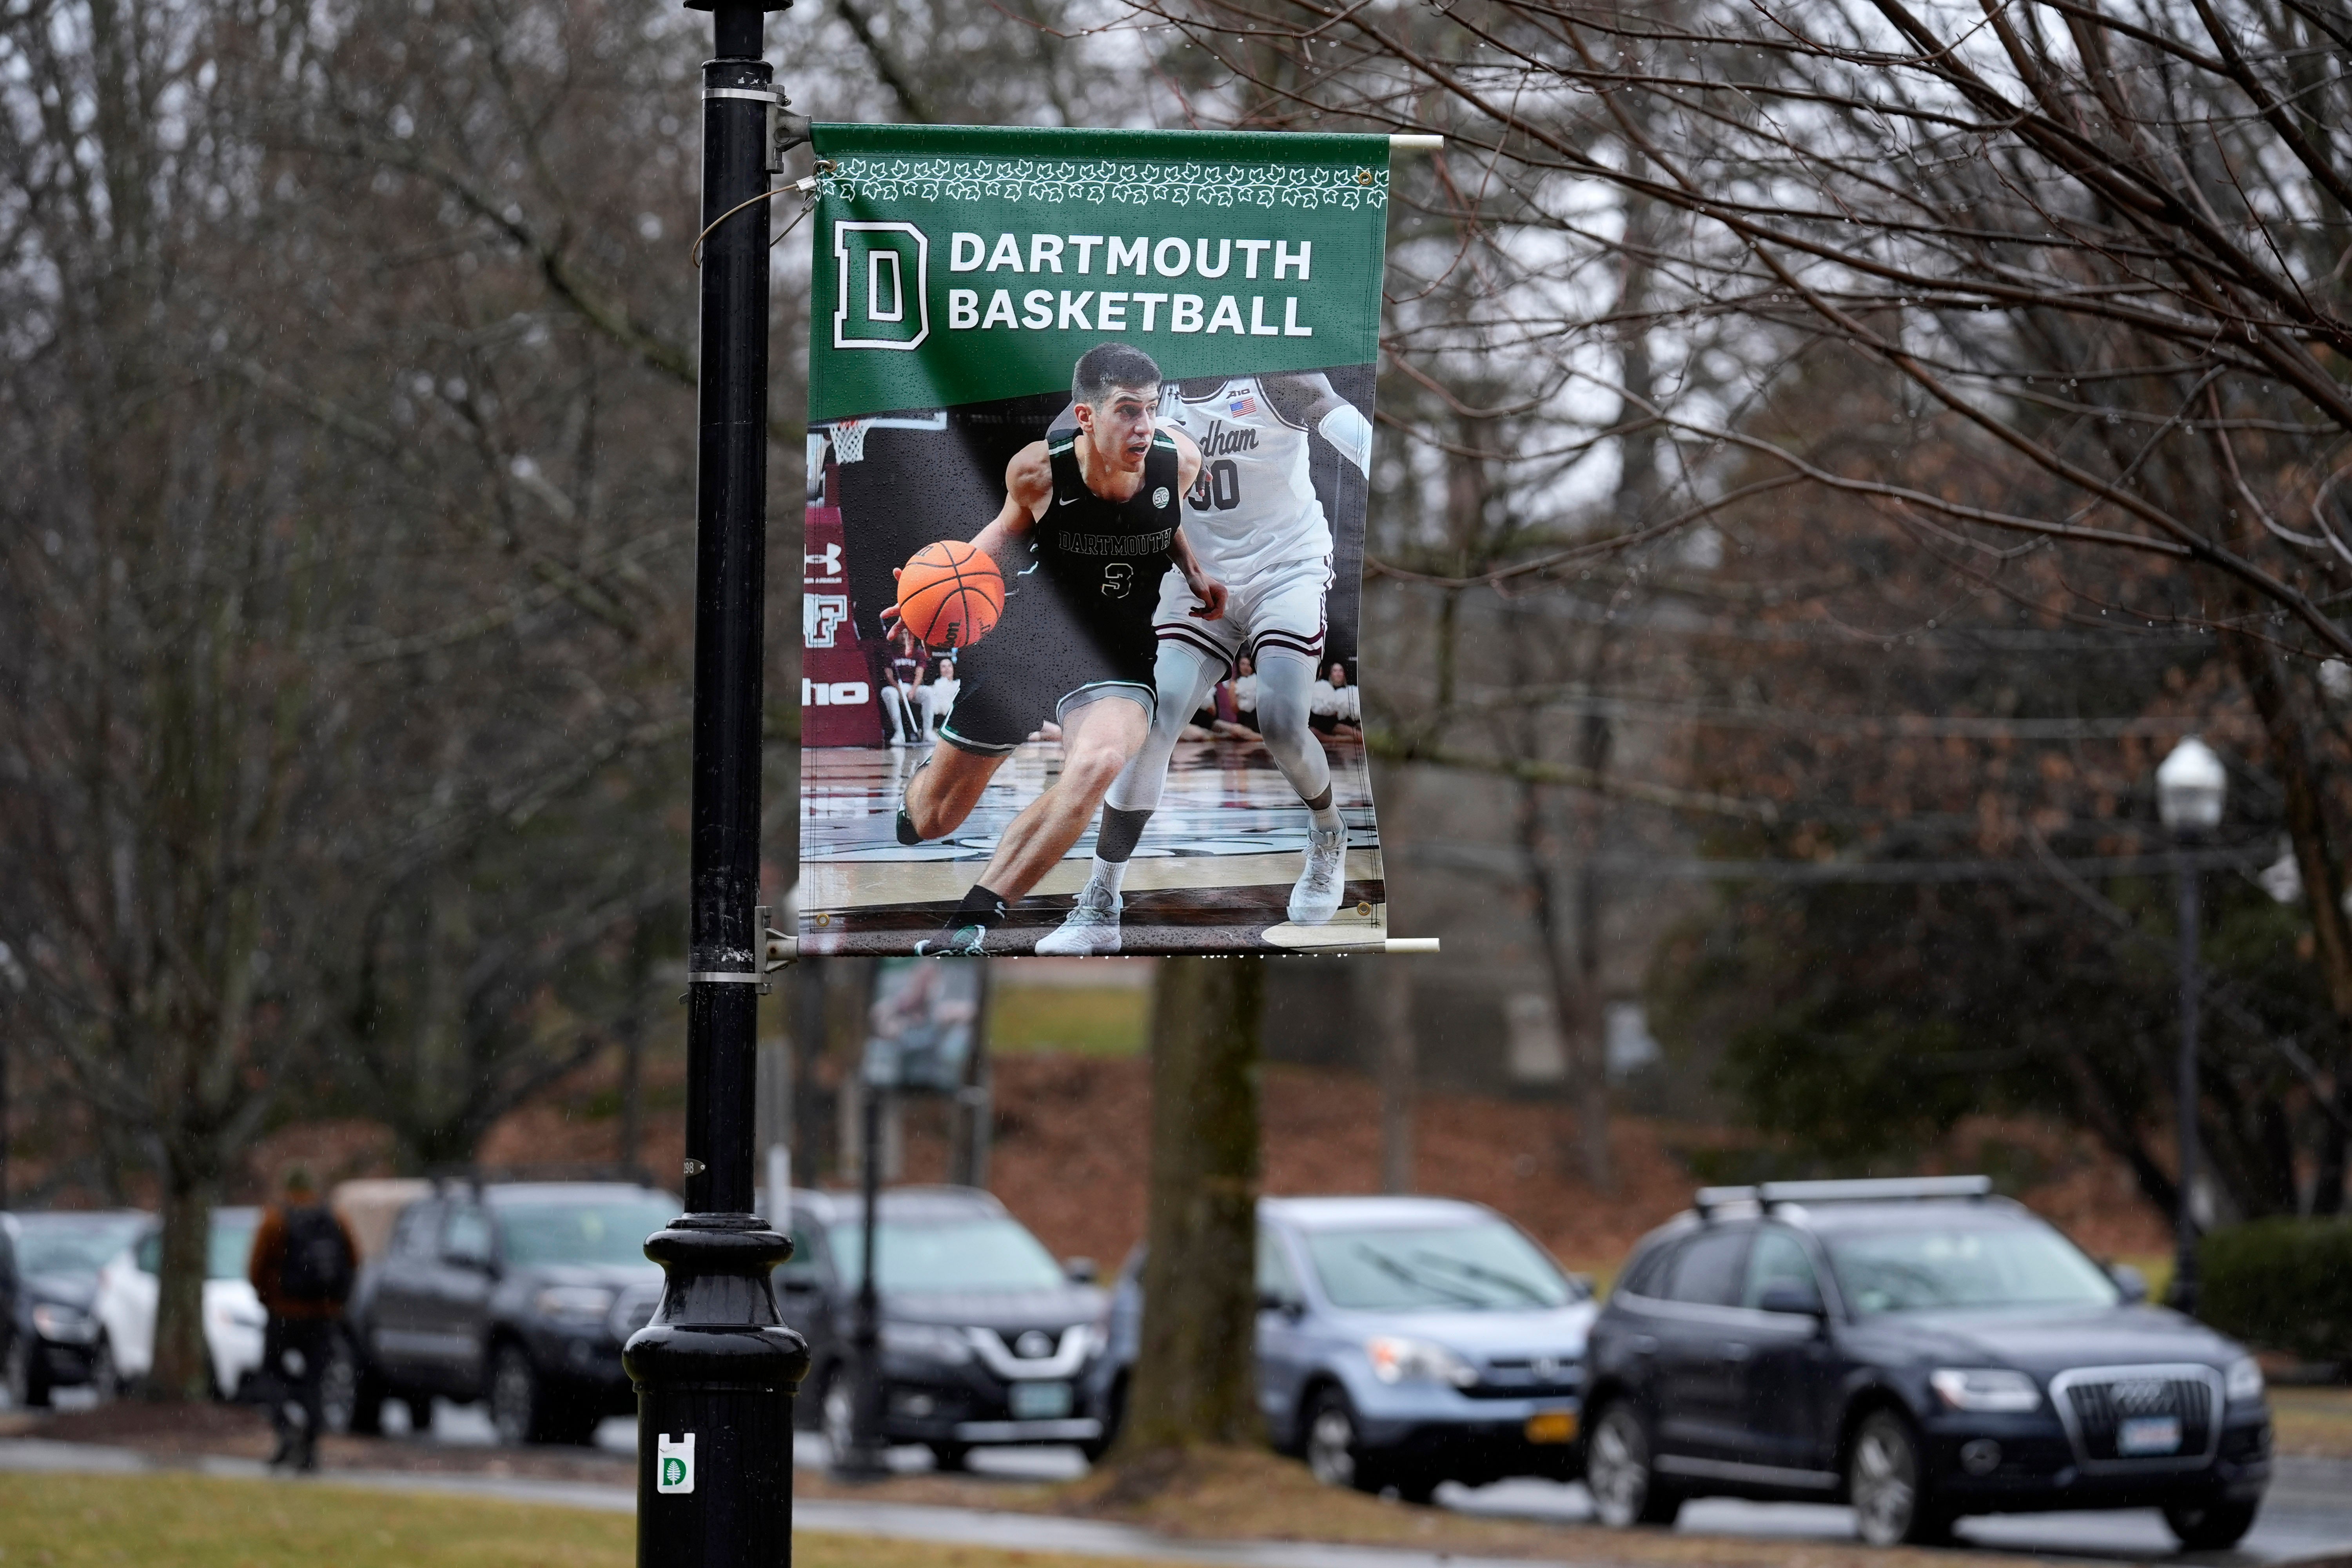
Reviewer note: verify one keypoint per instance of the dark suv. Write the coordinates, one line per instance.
(984, 1336)
(1921, 1348)
(521, 1294)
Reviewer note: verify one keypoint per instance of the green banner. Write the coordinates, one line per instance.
(1091, 446)
(958, 263)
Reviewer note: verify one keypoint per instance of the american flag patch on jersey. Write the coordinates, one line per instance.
(1243, 405)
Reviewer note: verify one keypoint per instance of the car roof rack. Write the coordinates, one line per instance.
(1873, 1190)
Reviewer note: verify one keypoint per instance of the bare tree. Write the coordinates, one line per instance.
(1195, 1375)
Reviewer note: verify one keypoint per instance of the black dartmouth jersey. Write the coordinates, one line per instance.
(1102, 560)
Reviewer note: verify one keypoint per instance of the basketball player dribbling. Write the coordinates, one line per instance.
(1254, 522)
(1088, 528)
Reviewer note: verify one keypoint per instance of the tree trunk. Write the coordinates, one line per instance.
(632, 1031)
(1196, 1377)
(180, 1374)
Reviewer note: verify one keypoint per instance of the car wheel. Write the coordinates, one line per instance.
(1618, 1472)
(2210, 1527)
(339, 1386)
(105, 1377)
(838, 1412)
(950, 1456)
(27, 1389)
(1889, 1485)
(1334, 1446)
(13, 1373)
(420, 1414)
(517, 1398)
(1114, 1415)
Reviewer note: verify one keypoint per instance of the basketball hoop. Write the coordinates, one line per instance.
(849, 440)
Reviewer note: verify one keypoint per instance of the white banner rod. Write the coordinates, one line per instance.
(1415, 144)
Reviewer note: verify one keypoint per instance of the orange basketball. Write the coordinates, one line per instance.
(950, 594)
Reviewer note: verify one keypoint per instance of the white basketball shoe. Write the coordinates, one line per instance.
(1315, 896)
(1091, 928)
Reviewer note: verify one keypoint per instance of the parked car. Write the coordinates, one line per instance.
(985, 1337)
(1921, 1348)
(124, 1306)
(49, 1264)
(520, 1294)
(1402, 1342)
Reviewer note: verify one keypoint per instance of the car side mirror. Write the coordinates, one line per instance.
(472, 1262)
(1288, 1306)
(1080, 1270)
(2130, 1281)
(1793, 1300)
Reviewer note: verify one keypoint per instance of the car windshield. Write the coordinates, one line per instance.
(605, 1230)
(995, 1254)
(1456, 1267)
(1924, 1269)
(74, 1244)
(230, 1246)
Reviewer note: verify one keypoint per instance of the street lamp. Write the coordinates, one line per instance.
(2190, 786)
(716, 1368)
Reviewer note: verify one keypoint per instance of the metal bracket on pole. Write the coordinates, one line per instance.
(778, 949)
(785, 131)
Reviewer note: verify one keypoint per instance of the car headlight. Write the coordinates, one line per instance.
(2244, 1381)
(1399, 1359)
(925, 1341)
(1986, 1389)
(63, 1325)
(573, 1303)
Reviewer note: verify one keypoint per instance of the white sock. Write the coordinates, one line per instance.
(1328, 819)
(1108, 874)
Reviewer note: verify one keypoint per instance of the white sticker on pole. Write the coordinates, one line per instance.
(674, 1464)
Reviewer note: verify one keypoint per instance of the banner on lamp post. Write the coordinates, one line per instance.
(1090, 435)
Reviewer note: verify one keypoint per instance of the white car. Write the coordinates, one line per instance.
(234, 1320)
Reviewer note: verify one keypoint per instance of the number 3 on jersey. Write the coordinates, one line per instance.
(1118, 579)
(1220, 485)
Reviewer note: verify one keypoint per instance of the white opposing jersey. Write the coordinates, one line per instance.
(1254, 506)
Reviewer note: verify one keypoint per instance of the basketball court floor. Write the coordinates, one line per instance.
(1213, 873)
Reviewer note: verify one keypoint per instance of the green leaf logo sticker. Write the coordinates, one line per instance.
(674, 1464)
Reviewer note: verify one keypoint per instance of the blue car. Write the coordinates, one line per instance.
(1401, 1343)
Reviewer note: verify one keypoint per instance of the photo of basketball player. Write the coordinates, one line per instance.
(1088, 528)
(1120, 475)
(1256, 524)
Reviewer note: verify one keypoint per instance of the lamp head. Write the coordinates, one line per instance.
(2190, 786)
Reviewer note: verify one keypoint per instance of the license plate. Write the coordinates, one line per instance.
(1039, 1400)
(1552, 1426)
(2149, 1434)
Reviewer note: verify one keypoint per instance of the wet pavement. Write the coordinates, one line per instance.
(2307, 1516)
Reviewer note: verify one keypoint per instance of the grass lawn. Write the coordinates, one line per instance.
(2313, 1421)
(197, 1522)
(1082, 1021)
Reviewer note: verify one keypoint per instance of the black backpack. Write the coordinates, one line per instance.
(318, 1262)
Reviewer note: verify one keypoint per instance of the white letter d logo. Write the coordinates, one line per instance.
(882, 294)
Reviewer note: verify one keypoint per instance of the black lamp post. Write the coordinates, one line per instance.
(2190, 788)
(716, 1369)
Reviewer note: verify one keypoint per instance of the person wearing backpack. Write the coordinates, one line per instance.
(301, 1267)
